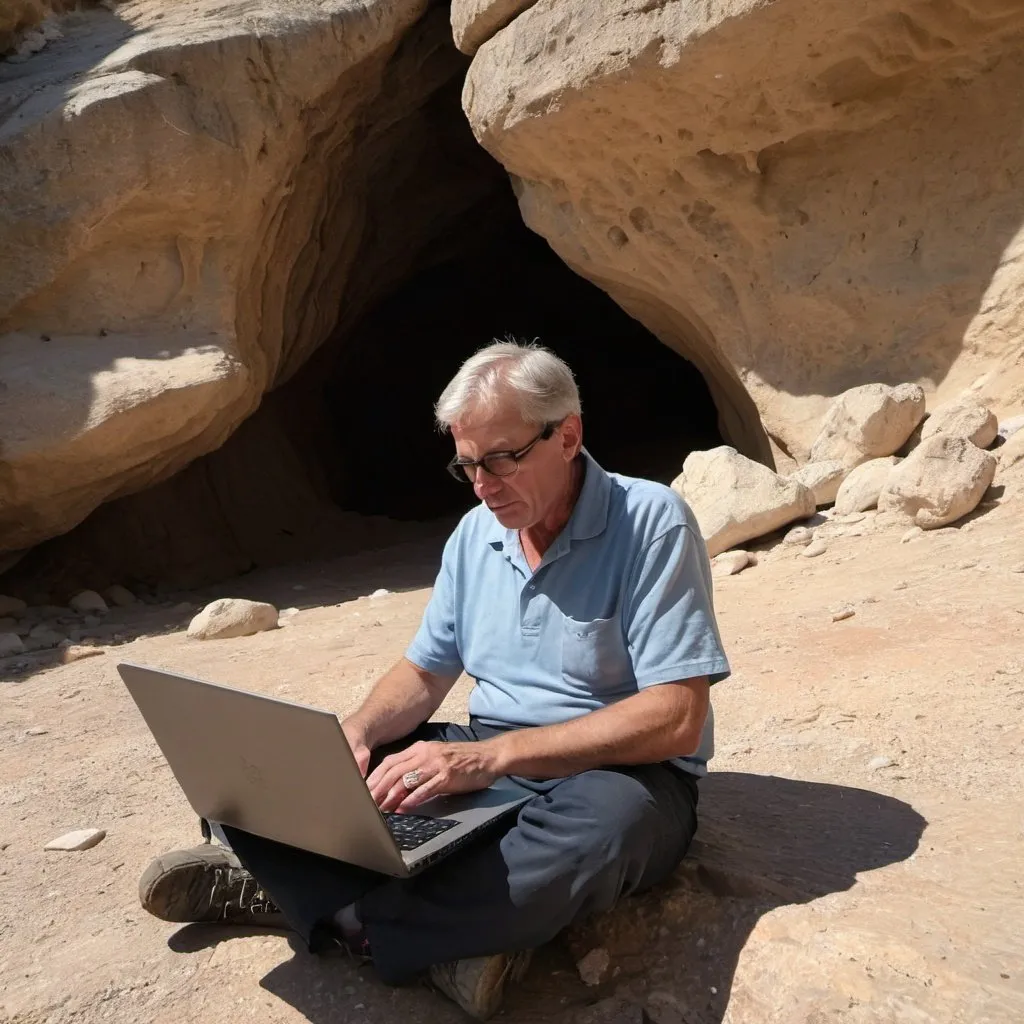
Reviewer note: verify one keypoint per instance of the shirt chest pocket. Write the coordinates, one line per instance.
(594, 655)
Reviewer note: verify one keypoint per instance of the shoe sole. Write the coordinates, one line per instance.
(178, 886)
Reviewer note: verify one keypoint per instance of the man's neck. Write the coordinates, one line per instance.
(539, 537)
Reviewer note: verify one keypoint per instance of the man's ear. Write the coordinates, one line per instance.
(572, 437)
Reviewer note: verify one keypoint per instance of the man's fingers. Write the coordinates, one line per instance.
(421, 794)
(387, 766)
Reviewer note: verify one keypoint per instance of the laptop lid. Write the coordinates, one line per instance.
(265, 765)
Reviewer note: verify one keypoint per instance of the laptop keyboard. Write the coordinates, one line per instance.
(413, 830)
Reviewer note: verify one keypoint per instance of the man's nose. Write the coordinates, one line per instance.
(485, 484)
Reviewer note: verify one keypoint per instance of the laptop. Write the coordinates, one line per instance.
(285, 771)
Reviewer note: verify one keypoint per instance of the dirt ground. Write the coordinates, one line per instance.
(862, 843)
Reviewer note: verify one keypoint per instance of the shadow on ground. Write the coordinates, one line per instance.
(764, 842)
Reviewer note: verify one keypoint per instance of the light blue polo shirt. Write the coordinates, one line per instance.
(622, 600)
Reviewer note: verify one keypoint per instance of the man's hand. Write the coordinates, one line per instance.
(357, 742)
(443, 768)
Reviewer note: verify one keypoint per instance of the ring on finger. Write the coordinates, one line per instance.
(412, 779)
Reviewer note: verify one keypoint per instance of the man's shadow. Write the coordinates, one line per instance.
(764, 842)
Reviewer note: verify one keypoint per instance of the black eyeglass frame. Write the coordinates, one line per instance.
(458, 465)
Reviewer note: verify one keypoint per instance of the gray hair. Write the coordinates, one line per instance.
(540, 385)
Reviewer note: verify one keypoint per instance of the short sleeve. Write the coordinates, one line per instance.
(435, 646)
(669, 614)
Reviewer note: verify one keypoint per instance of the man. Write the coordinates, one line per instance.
(580, 602)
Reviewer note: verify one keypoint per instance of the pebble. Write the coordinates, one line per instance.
(815, 548)
(900, 585)
(594, 966)
(845, 611)
(799, 535)
(36, 730)
(80, 839)
(1019, 567)
(287, 613)
(912, 534)
(880, 762)
(381, 592)
(89, 602)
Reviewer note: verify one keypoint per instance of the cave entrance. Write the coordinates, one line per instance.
(645, 408)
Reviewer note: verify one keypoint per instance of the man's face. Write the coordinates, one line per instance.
(527, 496)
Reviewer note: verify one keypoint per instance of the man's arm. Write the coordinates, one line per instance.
(656, 724)
(402, 699)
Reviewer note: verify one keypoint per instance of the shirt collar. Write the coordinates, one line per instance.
(589, 515)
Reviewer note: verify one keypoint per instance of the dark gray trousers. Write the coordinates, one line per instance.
(575, 849)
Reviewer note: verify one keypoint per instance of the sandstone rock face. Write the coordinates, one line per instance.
(868, 422)
(860, 490)
(746, 179)
(151, 298)
(736, 499)
(475, 21)
(940, 481)
(231, 617)
(823, 478)
(966, 417)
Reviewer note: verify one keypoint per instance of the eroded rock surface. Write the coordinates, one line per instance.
(758, 183)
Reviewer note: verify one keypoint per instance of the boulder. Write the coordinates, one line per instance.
(966, 417)
(736, 499)
(868, 422)
(941, 480)
(231, 617)
(823, 478)
(860, 490)
(475, 21)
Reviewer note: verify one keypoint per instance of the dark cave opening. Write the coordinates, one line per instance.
(645, 408)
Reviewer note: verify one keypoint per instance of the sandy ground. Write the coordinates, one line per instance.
(823, 886)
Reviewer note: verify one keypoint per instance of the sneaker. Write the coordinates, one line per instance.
(478, 985)
(206, 883)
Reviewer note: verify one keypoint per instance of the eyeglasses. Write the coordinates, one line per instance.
(496, 463)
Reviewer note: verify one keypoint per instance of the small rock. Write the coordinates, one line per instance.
(736, 499)
(76, 652)
(51, 611)
(11, 643)
(877, 763)
(860, 490)
(183, 608)
(232, 617)
(120, 596)
(799, 535)
(823, 479)
(941, 480)
(1019, 567)
(594, 966)
(900, 585)
(80, 839)
(912, 534)
(44, 636)
(868, 422)
(89, 602)
(381, 592)
(287, 613)
(845, 611)
(815, 548)
(36, 730)
(966, 418)
(730, 562)
(12, 606)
